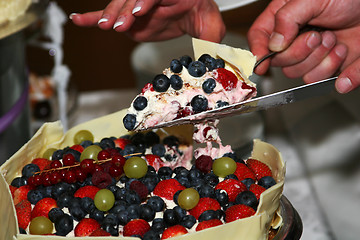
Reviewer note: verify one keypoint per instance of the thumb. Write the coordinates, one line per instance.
(288, 20)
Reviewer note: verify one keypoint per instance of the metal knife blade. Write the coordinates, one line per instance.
(260, 103)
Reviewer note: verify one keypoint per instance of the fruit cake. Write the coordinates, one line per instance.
(96, 186)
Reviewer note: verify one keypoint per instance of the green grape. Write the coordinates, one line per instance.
(135, 167)
(41, 225)
(224, 166)
(188, 198)
(91, 152)
(104, 200)
(83, 135)
(48, 153)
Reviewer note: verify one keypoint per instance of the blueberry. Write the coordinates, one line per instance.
(267, 182)
(233, 156)
(151, 235)
(59, 189)
(209, 61)
(231, 176)
(194, 174)
(247, 198)
(87, 204)
(165, 172)
(22, 231)
(211, 179)
(248, 182)
(106, 143)
(151, 138)
(199, 103)
(156, 203)
(220, 104)
(188, 221)
(128, 149)
(151, 183)
(206, 190)
(209, 85)
(181, 171)
(111, 219)
(208, 215)
(185, 60)
(222, 197)
(29, 170)
(116, 209)
(147, 212)
(18, 182)
(158, 225)
(64, 200)
(57, 155)
(171, 141)
(123, 217)
(197, 69)
(140, 103)
(176, 196)
(113, 230)
(64, 225)
(176, 82)
(171, 218)
(219, 63)
(220, 214)
(129, 121)
(180, 211)
(77, 212)
(176, 66)
(35, 195)
(134, 211)
(86, 143)
(158, 149)
(97, 215)
(54, 214)
(183, 181)
(161, 83)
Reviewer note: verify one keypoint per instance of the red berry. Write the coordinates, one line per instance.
(23, 213)
(43, 207)
(167, 188)
(139, 188)
(238, 211)
(118, 160)
(78, 148)
(232, 187)
(136, 227)
(55, 164)
(203, 205)
(242, 171)
(103, 155)
(86, 191)
(115, 171)
(42, 163)
(154, 160)
(87, 165)
(227, 79)
(97, 168)
(85, 227)
(45, 180)
(80, 174)
(121, 142)
(173, 231)
(113, 152)
(55, 177)
(21, 193)
(147, 87)
(259, 168)
(70, 176)
(208, 224)
(101, 179)
(35, 180)
(257, 190)
(100, 233)
(204, 163)
(69, 160)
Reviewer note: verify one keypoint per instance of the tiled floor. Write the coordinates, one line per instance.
(320, 141)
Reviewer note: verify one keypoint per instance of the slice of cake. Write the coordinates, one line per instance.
(218, 77)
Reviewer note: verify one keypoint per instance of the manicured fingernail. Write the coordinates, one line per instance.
(328, 40)
(276, 42)
(313, 41)
(103, 19)
(341, 51)
(137, 7)
(343, 85)
(71, 15)
(120, 21)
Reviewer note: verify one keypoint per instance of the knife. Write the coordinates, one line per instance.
(260, 103)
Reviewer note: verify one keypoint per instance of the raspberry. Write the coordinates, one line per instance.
(101, 179)
(204, 163)
(139, 188)
(227, 79)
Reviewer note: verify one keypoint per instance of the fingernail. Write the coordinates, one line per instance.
(71, 15)
(120, 21)
(276, 42)
(328, 40)
(343, 85)
(313, 41)
(341, 51)
(103, 19)
(137, 7)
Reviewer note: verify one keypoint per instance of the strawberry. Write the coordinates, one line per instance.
(167, 188)
(242, 171)
(85, 227)
(42, 163)
(100, 233)
(23, 213)
(12, 190)
(78, 148)
(87, 191)
(121, 142)
(208, 224)
(259, 168)
(257, 190)
(43, 207)
(147, 87)
(173, 231)
(227, 79)
(238, 211)
(232, 187)
(154, 160)
(136, 227)
(21, 193)
(203, 205)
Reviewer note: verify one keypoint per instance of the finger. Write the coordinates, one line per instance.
(111, 14)
(142, 7)
(315, 58)
(349, 79)
(86, 19)
(289, 19)
(329, 66)
(125, 17)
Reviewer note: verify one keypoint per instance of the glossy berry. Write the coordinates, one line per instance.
(188, 198)
(247, 198)
(208, 61)
(267, 182)
(83, 135)
(199, 103)
(224, 166)
(156, 203)
(175, 66)
(227, 79)
(140, 103)
(219, 63)
(204, 163)
(185, 60)
(209, 85)
(161, 83)
(220, 104)
(64, 225)
(176, 82)
(158, 149)
(197, 69)
(129, 121)
(29, 170)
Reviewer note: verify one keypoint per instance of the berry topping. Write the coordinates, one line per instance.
(208, 61)
(136, 227)
(232, 187)
(185, 60)
(85, 227)
(161, 83)
(227, 79)
(259, 168)
(101, 179)
(176, 82)
(147, 87)
(140, 103)
(267, 182)
(242, 172)
(174, 231)
(204, 163)
(238, 211)
(247, 198)
(199, 103)
(23, 213)
(203, 205)
(208, 224)
(43, 207)
(167, 188)
(129, 121)
(197, 69)
(209, 85)
(86, 191)
(176, 66)
(42, 163)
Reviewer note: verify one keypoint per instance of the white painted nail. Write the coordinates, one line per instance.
(102, 20)
(118, 23)
(71, 15)
(136, 9)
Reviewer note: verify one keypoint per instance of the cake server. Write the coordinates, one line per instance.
(259, 103)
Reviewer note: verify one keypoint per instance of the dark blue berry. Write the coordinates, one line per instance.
(171, 141)
(219, 63)
(123, 217)
(220, 104)
(158, 225)
(181, 171)
(176, 66)
(183, 180)
(134, 211)
(231, 176)
(158, 149)
(209, 61)
(222, 197)
(18, 182)
(188, 221)
(165, 172)
(171, 218)
(59, 189)
(140, 103)
(129, 121)
(117, 208)
(29, 170)
(233, 156)
(197, 69)
(161, 83)
(106, 143)
(35, 195)
(54, 214)
(65, 200)
(22, 231)
(211, 179)
(267, 182)
(111, 219)
(112, 229)
(64, 225)
(180, 211)
(156, 203)
(209, 85)
(208, 215)
(185, 60)
(87, 204)
(199, 103)
(194, 174)
(206, 190)
(97, 215)
(151, 235)
(77, 212)
(147, 212)
(151, 138)
(129, 149)
(57, 155)
(86, 143)
(247, 198)
(248, 182)
(176, 82)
